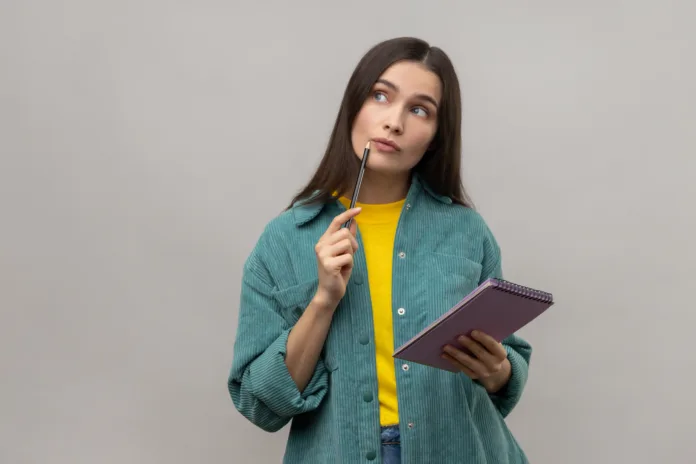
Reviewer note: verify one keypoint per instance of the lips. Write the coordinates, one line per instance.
(387, 144)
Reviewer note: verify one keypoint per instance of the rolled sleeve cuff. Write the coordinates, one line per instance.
(272, 384)
(507, 398)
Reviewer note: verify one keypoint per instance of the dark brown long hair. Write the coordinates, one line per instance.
(440, 166)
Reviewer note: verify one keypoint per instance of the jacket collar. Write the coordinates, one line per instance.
(303, 211)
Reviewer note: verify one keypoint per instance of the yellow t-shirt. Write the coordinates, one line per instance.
(377, 224)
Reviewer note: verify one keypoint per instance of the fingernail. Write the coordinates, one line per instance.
(475, 333)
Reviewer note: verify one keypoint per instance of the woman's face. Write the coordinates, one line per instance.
(399, 118)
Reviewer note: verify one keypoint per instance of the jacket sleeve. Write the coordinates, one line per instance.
(519, 351)
(259, 382)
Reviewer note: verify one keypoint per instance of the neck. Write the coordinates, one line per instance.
(379, 188)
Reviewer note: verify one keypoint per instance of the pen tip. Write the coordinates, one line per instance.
(367, 147)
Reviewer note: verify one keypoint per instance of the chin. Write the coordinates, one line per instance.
(388, 169)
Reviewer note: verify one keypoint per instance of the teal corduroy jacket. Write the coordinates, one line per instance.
(442, 251)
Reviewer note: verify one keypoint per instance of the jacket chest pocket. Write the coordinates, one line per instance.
(293, 301)
(451, 278)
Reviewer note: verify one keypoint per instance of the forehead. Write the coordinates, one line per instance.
(413, 78)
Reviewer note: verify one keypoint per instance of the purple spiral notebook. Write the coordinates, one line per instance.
(496, 307)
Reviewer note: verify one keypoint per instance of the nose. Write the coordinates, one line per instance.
(393, 121)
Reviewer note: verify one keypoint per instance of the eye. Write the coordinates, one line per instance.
(423, 112)
(379, 96)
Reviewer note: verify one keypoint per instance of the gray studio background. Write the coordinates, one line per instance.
(144, 145)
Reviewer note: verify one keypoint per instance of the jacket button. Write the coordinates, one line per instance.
(371, 455)
(367, 397)
(364, 340)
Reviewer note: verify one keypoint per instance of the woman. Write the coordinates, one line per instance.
(324, 306)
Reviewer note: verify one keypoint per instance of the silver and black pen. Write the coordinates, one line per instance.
(358, 182)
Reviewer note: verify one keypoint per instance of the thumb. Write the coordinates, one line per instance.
(353, 228)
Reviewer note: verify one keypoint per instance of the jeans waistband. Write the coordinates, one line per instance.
(390, 435)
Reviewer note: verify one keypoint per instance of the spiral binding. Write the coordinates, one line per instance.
(526, 292)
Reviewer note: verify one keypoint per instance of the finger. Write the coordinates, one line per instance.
(354, 231)
(343, 234)
(460, 366)
(471, 363)
(340, 248)
(341, 219)
(491, 344)
(341, 262)
(352, 235)
(480, 352)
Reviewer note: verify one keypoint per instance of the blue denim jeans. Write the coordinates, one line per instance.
(391, 445)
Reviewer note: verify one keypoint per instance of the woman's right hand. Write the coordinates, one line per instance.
(334, 252)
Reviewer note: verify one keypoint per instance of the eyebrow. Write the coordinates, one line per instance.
(421, 96)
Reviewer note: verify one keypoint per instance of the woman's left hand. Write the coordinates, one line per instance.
(489, 365)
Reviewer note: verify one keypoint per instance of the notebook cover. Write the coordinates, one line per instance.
(494, 307)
